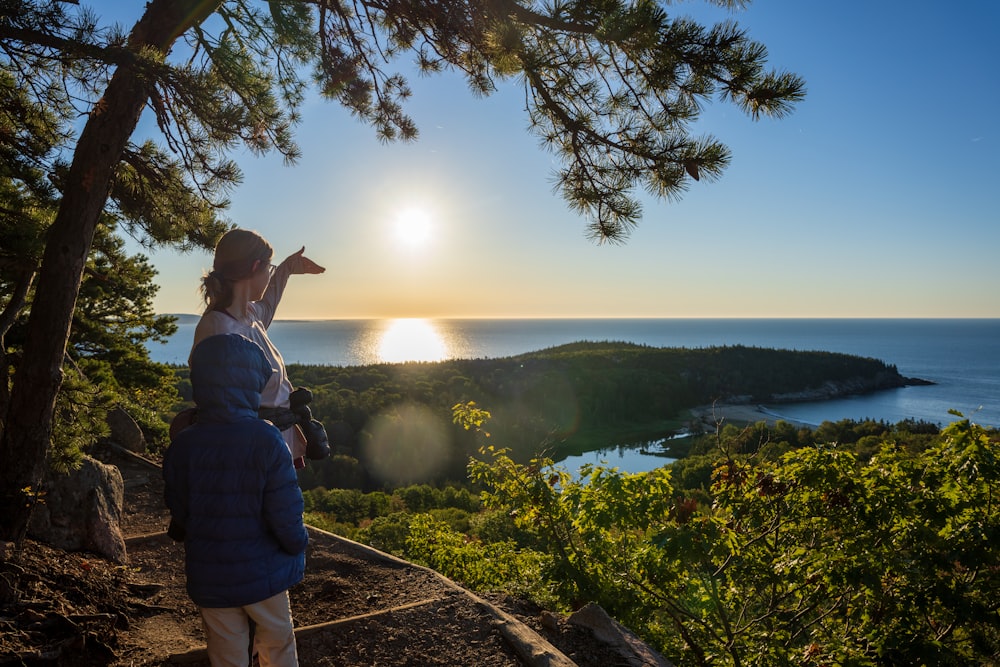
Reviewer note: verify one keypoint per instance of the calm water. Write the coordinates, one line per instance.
(961, 356)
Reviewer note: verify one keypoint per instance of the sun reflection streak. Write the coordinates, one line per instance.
(411, 340)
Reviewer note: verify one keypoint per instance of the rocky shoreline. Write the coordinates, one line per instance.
(853, 387)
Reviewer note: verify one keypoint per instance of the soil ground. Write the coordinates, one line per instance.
(356, 607)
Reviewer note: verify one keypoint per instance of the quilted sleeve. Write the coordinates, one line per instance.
(282, 502)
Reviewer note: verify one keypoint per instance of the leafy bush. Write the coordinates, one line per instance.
(325, 522)
(817, 557)
(478, 565)
(387, 533)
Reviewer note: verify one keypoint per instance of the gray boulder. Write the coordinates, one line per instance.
(82, 511)
(125, 431)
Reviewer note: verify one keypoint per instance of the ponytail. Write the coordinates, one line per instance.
(216, 291)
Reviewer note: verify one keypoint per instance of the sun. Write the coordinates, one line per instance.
(412, 227)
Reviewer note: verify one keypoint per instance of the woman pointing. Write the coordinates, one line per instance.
(241, 296)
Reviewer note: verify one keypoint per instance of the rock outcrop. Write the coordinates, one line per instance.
(850, 387)
(125, 431)
(81, 511)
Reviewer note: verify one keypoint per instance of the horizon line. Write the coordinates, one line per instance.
(613, 317)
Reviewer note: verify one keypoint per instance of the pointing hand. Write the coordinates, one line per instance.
(299, 263)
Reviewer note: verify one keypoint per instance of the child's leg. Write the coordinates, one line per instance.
(274, 637)
(227, 635)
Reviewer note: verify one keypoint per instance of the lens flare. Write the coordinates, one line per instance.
(406, 447)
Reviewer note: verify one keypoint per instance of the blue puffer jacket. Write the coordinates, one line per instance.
(230, 483)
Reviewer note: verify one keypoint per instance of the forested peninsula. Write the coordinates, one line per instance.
(570, 398)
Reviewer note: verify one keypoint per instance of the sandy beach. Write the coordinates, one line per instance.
(739, 414)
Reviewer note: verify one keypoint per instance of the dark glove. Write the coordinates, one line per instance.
(176, 531)
(317, 442)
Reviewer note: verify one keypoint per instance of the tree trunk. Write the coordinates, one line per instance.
(28, 424)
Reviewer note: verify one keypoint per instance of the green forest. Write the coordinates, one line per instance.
(397, 418)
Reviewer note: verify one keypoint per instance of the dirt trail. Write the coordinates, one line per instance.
(356, 607)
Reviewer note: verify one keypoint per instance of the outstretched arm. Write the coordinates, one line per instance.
(297, 262)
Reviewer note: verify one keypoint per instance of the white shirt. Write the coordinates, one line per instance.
(254, 326)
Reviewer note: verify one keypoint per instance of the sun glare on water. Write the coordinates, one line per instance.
(411, 340)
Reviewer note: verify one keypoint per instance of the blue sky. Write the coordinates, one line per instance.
(878, 197)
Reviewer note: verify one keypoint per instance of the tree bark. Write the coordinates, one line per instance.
(27, 428)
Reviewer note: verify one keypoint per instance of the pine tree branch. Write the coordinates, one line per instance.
(65, 50)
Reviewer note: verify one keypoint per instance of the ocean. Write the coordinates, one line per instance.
(961, 356)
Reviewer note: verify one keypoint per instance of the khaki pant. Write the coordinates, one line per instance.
(227, 631)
